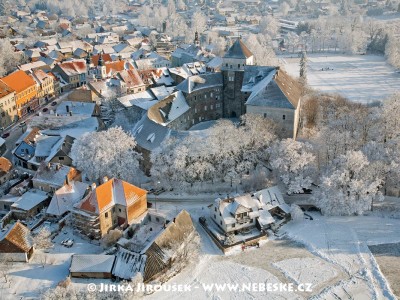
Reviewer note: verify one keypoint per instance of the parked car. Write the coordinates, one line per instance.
(159, 191)
(5, 135)
(45, 109)
(67, 243)
(54, 103)
(22, 124)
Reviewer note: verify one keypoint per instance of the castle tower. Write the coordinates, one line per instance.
(233, 64)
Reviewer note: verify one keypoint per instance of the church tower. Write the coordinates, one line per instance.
(233, 64)
(101, 67)
(196, 39)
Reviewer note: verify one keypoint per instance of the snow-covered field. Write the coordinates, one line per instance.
(360, 78)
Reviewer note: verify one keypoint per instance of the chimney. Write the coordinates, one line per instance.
(58, 167)
(67, 108)
(67, 180)
(93, 186)
(48, 166)
(70, 113)
(105, 179)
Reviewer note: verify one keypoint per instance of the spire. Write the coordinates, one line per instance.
(101, 62)
(88, 58)
(196, 39)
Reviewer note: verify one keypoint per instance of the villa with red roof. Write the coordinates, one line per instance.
(107, 206)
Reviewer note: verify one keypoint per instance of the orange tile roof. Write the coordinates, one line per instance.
(95, 59)
(5, 165)
(5, 90)
(105, 196)
(19, 236)
(19, 81)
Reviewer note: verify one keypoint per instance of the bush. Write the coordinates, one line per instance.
(111, 238)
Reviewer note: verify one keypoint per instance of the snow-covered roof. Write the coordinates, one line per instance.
(29, 200)
(92, 263)
(76, 108)
(128, 264)
(74, 126)
(146, 128)
(44, 144)
(162, 92)
(270, 198)
(54, 174)
(199, 82)
(144, 100)
(66, 197)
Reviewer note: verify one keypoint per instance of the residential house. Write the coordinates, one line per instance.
(72, 72)
(25, 91)
(8, 109)
(45, 84)
(25, 149)
(65, 198)
(89, 109)
(29, 204)
(131, 82)
(16, 244)
(111, 204)
(50, 177)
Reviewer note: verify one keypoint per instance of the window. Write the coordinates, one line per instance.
(239, 66)
(231, 78)
(283, 117)
(230, 66)
(218, 105)
(211, 94)
(215, 216)
(226, 65)
(233, 225)
(215, 208)
(119, 210)
(220, 222)
(265, 115)
(211, 107)
(61, 158)
(106, 214)
(205, 107)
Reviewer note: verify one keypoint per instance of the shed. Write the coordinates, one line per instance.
(92, 266)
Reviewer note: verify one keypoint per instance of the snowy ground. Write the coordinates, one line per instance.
(361, 78)
(330, 253)
(45, 270)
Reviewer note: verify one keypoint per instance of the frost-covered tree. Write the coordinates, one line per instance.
(303, 67)
(293, 163)
(349, 187)
(199, 22)
(9, 59)
(296, 214)
(107, 153)
(261, 47)
(269, 26)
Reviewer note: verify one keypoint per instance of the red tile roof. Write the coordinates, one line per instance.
(16, 240)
